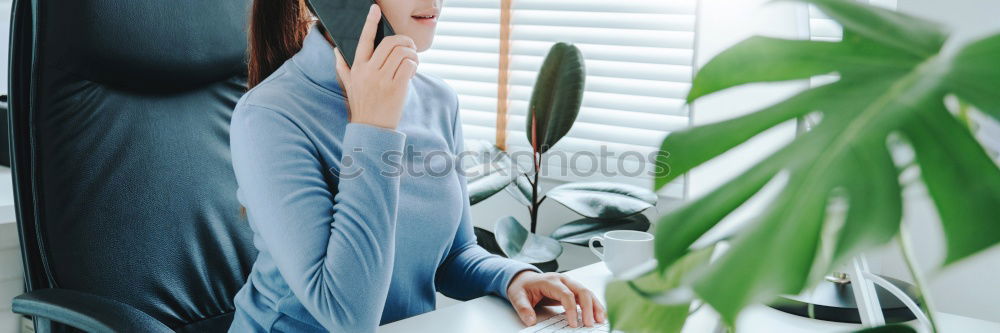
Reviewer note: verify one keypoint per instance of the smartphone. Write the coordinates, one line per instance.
(344, 20)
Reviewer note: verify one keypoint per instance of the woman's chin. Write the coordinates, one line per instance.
(424, 44)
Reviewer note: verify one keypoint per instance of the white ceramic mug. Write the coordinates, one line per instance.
(623, 249)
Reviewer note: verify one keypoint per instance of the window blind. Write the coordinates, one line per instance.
(638, 54)
(823, 28)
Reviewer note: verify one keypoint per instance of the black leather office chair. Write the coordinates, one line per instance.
(126, 200)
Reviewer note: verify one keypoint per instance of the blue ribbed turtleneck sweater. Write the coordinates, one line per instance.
(346, 241)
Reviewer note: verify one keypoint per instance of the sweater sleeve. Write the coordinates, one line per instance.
(329, 247)
(469, 271)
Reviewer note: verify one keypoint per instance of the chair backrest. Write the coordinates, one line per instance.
(120, 117)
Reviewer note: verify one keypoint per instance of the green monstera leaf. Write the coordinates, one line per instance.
(557, 96)
(603, 200)
(631, 310)
(521, 245)
(893, 80)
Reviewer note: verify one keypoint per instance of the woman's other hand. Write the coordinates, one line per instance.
(528, 289)
(378, 82)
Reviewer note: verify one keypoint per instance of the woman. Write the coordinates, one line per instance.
(352, 232)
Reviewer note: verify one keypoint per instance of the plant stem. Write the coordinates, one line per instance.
(534, 193)
(925, 302)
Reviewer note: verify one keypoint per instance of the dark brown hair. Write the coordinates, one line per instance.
(277, 28)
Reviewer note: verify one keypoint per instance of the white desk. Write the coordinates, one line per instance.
(493, 314)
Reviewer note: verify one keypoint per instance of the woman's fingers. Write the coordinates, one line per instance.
(529, 289)
(396, 59)
(558, 291)
(388, 46)
(523, 308)
(366, 42)
(375, 97)
(585, 298)
(599, 312)
(405, 71)
(586, 301)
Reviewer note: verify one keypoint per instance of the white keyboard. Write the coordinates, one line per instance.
(558, 323)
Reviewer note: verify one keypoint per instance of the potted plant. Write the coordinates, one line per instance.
(555, 103)
(889, 100)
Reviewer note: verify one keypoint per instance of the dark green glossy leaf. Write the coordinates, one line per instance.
(894, 328)
(580, 231)
(975, 73)
(488, 241)
(603, 200)
(557, 96)
(487, 170)
(548, 266)
(519, 244)
(632, 311)
(521, 190)
(486, 185)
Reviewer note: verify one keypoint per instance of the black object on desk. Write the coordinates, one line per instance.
(833, 300)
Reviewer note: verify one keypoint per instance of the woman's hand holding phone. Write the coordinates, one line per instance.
(378, 81)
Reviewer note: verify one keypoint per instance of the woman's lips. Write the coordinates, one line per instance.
(431, 19)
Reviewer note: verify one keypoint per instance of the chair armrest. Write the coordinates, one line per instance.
(86, 311)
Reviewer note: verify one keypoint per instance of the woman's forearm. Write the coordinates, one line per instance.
(359, 258)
